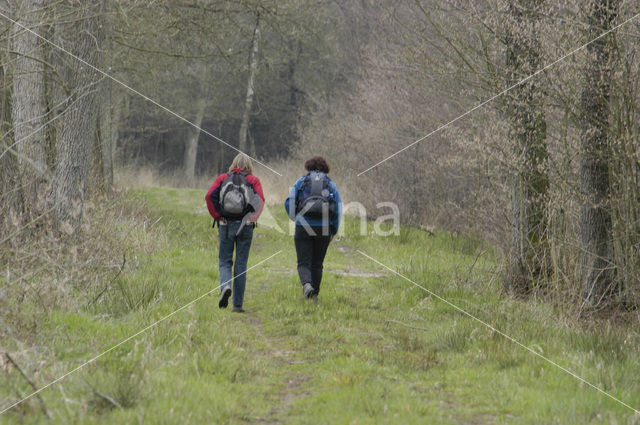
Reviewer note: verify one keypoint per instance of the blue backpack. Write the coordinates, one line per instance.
(315, 196)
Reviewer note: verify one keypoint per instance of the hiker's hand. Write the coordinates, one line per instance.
(223, 221)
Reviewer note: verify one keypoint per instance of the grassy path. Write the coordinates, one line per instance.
(373, 350)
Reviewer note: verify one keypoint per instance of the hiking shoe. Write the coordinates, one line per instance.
(307, 290)
(224, 298)
(237, 309)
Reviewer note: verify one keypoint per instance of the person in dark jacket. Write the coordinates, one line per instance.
(235, 229)
(314, 204)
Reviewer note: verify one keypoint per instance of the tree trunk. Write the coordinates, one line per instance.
(104, 140)
(105, 107)
(118, 106)
(11, 199)
(221, 164)
(253, 67)
(191, 145)
(252, 144)
(294, 91)
(78, 133)
(29, 107)
(525, 107)
(596, 227)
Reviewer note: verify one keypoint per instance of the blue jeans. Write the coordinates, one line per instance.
(242, 243)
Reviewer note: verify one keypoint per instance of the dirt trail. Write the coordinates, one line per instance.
(293, 381)
(292, 386)
(351, 272)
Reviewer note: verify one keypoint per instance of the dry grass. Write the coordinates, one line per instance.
(275, 187)
(141, 177)
(53, 271)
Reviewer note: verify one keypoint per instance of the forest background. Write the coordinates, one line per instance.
(547, 170)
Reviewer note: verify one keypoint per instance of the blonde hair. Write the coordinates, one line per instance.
(242, 162)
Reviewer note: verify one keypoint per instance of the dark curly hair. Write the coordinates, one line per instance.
(317, 163)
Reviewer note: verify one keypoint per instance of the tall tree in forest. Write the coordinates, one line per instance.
(10, 205)
(29, 107)
(596, 225)
(78, 134)
(191, 144)
(525, 109)
(253, 67)
(105, 105)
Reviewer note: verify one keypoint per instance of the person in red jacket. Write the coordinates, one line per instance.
(235, 201)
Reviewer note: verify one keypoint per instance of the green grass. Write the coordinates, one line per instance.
(375, 349)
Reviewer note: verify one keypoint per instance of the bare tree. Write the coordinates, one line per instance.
(10, 205)
(596, 225)
(253, 67)
(78, 134)
(525, 109)
(29, 107)
(191, 145)
(106, 141)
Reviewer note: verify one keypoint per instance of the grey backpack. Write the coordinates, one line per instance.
(235, 196)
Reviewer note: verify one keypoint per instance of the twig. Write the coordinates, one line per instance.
(24, 375)
(474, 264)
(106, 397)
(124, 261)
(408, 326)
(426, 229)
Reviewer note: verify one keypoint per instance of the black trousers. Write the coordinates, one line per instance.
(311, 251)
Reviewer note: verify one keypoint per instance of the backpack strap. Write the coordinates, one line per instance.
(229, 175)
(238, 177)
(244, 173)
(317, 183)
(305, 181)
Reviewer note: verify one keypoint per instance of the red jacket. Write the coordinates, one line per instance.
(213, 195)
